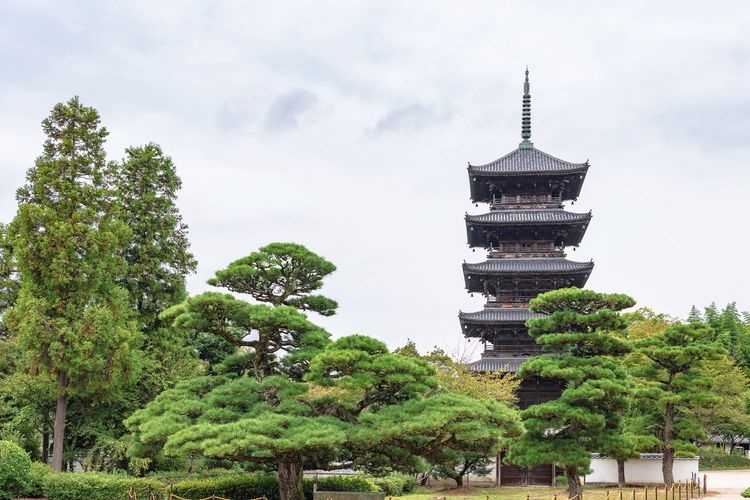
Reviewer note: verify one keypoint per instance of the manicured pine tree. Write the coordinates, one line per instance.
(673, 377)
(358, 398)
(71, 320)
(581, 339)
(284, 275)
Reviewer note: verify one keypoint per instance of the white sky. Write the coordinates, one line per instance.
(347, 126)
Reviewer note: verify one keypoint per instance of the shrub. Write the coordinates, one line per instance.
(96, 486)
(339, 483)
(37, 474)
(15, 470)
(230, 486)
(746, 493)
(395, 484)
(718, 460)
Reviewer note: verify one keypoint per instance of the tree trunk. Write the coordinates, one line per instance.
(620, 473)
(45, 447)
(667, 461)
(459, 478)
(58, 436)
(574, 481)
(290, 477)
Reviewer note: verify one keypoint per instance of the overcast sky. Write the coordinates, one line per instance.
(347, 126)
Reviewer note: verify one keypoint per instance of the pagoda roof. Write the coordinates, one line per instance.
(528, 161)
(500, 217)
(499, 315)
(510, 364)
(542, 266)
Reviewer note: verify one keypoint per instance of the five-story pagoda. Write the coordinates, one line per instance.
(525, 234)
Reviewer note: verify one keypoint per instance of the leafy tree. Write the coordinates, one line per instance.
(729, 417)
(357, 397)
(454, 376)
(71, 320)
(581, 338)
(673, 377)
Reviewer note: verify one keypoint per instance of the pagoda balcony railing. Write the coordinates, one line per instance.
(525, 201)
(532, 350)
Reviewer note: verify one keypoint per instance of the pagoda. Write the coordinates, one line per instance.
(525, 234)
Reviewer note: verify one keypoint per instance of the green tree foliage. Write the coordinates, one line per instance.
(282, 274)
(358, 397)
(158, 255)
(454, 376)
(156, 262)
(673, 377)
(8, 279)
(71, 320)
(581, 338)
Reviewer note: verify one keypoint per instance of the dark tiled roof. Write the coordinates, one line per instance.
(528, 217)
(499, 315)
(528, 161)
(511, 266)
(492, 364)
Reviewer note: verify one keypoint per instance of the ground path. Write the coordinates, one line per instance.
(726, 484)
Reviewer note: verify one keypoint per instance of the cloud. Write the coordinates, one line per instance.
(409, 118)
(287, 109)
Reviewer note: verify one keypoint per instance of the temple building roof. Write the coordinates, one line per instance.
(499, 217)
(514, 266)
(498, 315)
(528, 161)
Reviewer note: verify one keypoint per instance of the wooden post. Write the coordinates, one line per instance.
(645, 493)
(633, 493)
(656, 493)
(620, 493)
(705, 483)
(607, 495)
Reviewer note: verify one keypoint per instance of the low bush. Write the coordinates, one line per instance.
(719, 460)
(37, 474)
(746, 493)
(96, 486)
(230, 486)
(339, 483)
(15, 470)
(99, 486)
(396, 484)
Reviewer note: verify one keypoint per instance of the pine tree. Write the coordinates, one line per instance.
(695, 315)
(71, 320)
(581, 338)
(673, 376)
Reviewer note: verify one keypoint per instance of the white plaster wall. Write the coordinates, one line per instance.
(640, 471)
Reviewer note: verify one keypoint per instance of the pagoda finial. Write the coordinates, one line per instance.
(526, 115)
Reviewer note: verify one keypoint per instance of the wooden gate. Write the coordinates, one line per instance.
(513, 475)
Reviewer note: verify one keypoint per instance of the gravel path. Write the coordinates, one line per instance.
(726, 484)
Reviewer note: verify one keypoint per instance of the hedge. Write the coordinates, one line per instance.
(719, 460)
(15, 470)
(94, 486)
(99, 486)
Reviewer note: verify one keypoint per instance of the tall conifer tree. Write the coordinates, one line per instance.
(71, 319)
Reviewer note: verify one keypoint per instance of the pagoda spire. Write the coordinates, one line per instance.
(526, 115)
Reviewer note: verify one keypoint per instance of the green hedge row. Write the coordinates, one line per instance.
(97, 486)
(719, 460)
